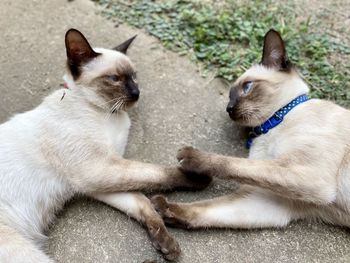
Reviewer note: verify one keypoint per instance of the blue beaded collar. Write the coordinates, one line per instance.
(276, 119)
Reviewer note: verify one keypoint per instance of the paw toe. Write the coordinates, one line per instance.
(160, 204)
(183, 153)
(163, 241)
(173, 251)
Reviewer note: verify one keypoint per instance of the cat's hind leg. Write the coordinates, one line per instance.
(16, 249)
(139, 207)
(246, 208)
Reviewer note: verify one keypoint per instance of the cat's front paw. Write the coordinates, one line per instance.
(195, 181)
(194, 161)
(185, 180)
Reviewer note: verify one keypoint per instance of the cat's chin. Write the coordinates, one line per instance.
(239, 120)
(128, 106)
(243, 123)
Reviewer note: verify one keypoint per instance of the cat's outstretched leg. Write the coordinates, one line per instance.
(139, 207)
(245, 209)
(122, 175)
(16, 249)
(289, 176)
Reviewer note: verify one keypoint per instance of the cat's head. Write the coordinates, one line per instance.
(265, 88)
(104, 77)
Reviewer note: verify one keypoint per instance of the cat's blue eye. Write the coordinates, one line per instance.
(114, 78)
(247, 87)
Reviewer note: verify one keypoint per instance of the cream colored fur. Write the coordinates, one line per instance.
(298, 170)
(69, 145)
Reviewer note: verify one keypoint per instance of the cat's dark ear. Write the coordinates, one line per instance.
(274, 52)
(123, 47)
(79, 51)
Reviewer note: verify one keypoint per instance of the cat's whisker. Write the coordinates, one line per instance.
(102, 104)
(117, 105)
(110, 111)
(123, 105)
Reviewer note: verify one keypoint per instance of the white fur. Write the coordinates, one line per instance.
(299, 169)
(31, 188)
(73, 143)
(258, 209)
(319, 129)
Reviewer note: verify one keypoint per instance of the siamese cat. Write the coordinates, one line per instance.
(299, 159)
(73, 143)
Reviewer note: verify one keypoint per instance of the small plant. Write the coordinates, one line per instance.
(229, 38)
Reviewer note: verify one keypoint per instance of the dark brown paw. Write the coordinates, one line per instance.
(197, 181)
(194, 161)
(188, 156)
(185, 180)
(162, 240)
(172, 214)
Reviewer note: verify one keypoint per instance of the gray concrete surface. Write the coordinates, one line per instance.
(177, 107)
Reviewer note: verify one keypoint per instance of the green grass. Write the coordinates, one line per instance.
(229, 39)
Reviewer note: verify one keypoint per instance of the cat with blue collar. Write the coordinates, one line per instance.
(299, 155)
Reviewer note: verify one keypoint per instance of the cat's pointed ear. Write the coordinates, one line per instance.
(123, 47)
(79, 51)
(274, 52)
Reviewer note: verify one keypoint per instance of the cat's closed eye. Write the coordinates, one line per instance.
(113, 78)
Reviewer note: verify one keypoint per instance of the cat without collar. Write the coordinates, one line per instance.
(74, 144)
(298, 169)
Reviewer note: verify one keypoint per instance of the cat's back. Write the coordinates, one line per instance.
(335, 122)
(30, 191)
(314, 134)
